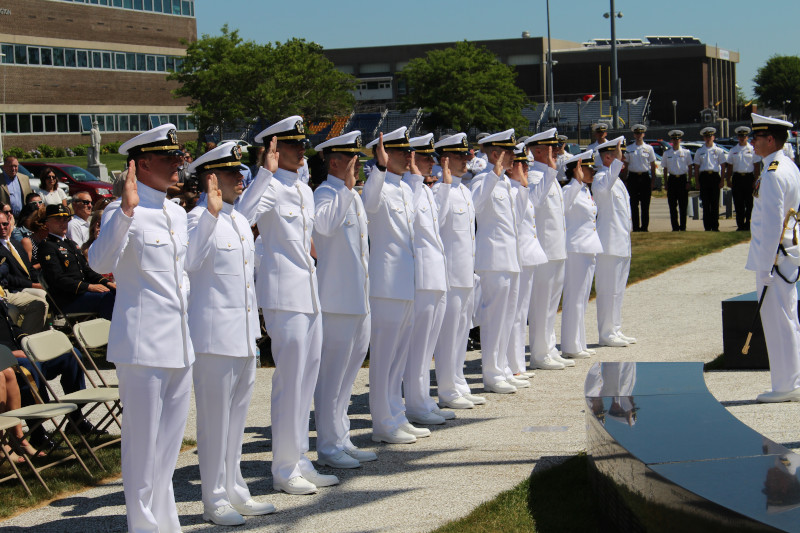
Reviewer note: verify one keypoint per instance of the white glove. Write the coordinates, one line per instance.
(766, 278)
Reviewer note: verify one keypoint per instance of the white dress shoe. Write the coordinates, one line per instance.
(583, 354)
(224, 515)
(476, 400)
(529, 373)
(398, 436)
(425, 418)
(629, 340)
(362, 456)
(447, 415)
(547, 363)
(519, 383)
(777, 397)
(565, 362)
(521, 375)
(339, 460)
(321, 480)
(590, 351)
(458, 403)
(502, 387)
(415, 431)
(296, 485)
(254, 508)
(614, 342)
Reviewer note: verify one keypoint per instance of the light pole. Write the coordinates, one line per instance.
(785, 103)
(550, 70)
(615, 96)
(578, 101)
(675, 112)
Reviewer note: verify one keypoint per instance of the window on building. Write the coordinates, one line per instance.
(148, 5)
(24, 123)
(167, 6)
(117, 3)
(33, 55)
(70, 59)
(127, 4)
(137, 4)
(170, 64)
(11, 123)
(134, 122)
(111, 122)
(37, 124)
(46, 56)
(8, 53)
(151, 63)
(157, 7)
(155, 121)
(62, 125)
(96, 60)
(107, 60)
(182, 123)
(140, 62)
(161, 63)
(86, 123)
(83, 58)
(50, 124)
(58, 57)
(176, 7)
(123, 123)
(74, 123)
(119, 61)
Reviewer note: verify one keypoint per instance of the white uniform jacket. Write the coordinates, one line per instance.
(223, 315)
(561, 166)
(549, 212)
(613, 211)
(581, 216)
(531, 252)
(639, 157)
(710, 159)
(742, 158)
(497, 248)
(429, 258)
(287, 278)
(458, 233)
(676, 162)
(390, 209)
(778, 192)
(146, 253)
(340, 238)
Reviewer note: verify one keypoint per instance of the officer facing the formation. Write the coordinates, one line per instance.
(287, 294)
(600, 131)
(776, 192)
(640, 163)
(340, 238)
(708, 161)
(223, 321)
(677, 164)
(743, 166)
(458, 237)
(561, 156)
(143, 240)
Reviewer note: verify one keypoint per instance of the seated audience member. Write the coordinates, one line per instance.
(49, 191)
(32, 202)
(78, 227)
(74, 286)
(11, 399)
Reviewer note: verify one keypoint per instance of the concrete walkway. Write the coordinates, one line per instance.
(675, 317)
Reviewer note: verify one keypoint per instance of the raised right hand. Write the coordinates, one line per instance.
(271, 160)
(380, 152)
(130, 194)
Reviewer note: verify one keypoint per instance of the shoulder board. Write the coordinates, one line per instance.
(772, 166)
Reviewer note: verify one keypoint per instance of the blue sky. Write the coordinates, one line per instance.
(731, 24)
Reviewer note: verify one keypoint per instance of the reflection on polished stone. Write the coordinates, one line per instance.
(662, 441)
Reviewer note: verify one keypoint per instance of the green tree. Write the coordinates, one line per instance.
(464, 86)
(778, 81)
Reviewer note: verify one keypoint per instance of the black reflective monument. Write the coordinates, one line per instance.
(667, 456)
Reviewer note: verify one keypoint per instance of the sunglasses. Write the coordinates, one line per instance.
(4, 224)
(8, 212)
(35, 202)
(51, 176)
(84, 202)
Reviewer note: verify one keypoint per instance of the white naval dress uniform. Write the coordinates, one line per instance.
(582, 246)
(150, 345)
(430, 294)
(549, 278)
(458, 237)
(531, 256)
(778, 192)
(561, 167)
(614, 263)
(390, 210)
(497, 262)
(287, 294)
(340, 238)
(223, 322)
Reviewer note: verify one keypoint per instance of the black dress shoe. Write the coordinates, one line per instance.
(41, 441)
(86, 427)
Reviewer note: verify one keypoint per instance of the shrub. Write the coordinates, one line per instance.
(110, 148)
(60, 152)
(19, 153)
(46, 151)
(81, 149)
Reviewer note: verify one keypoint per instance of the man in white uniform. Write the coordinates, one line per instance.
(287, 294)
(678, 170)
(741, 170)
(223, 321)
(640, 164)
(143, 241)
(561, 156)
(614, 264)
(777, 191)
(340, 238)
(600, 131)
(390, 209)
(708, 161)
(458, 237)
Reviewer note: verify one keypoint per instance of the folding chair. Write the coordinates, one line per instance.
(48, 345)
(9, 422)
(39, 413)
(91, 335)
(69, 318)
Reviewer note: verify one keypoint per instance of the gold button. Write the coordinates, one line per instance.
(180, 286)
(245, 261)
(176, 258)
(172, 232)
(302, 206)
(229, 245)
(243, 238)
(248, 285)
(248, 309)
(362, 235)
(158, 240)
(233, 217)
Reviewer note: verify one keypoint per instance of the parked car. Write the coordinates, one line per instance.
(36, 183)
(77, 179)
(659, 145)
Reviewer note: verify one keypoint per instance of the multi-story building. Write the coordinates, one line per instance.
(66, 63)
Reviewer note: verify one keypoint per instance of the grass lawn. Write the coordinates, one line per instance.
(112, 161)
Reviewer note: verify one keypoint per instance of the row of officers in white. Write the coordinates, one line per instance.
(403, 269)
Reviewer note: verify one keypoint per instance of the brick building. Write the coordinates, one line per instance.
(66, 63)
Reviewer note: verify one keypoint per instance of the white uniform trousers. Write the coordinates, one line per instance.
(296, 344)
(156, 403)
(429, 308)
(392, 322)
(346, 339)
(611, 277)
(578, 275)
(451, 347)
(547, 285)
(516, 347)
(223, 386)
(476, 303)
(500, 291)
(782, 333)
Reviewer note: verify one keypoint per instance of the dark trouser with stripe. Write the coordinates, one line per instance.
(709, 195)
(640, 189)
(743, 198)
(677, 198)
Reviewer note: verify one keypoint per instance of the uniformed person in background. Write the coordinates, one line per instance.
(742, 167)
(340, 239)
(600, 131)
(678, 169)
(640, 166)
(708, 161)
(561, 156)
(224, 325)
(777, 191)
